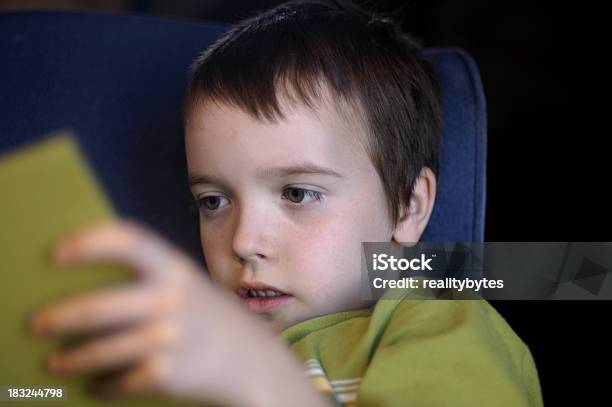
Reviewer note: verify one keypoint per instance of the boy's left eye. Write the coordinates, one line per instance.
(296, 195)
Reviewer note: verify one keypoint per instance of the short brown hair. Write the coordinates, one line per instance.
(364, 59)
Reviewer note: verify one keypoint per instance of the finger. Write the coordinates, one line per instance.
(125, 242)
(142, 379)
(115, 350)
(104, 309)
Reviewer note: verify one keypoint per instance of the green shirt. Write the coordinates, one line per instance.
(407, 352)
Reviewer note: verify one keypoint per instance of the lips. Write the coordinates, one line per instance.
(257, 289)
(261, 297)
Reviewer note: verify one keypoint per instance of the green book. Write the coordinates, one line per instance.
(48, 189)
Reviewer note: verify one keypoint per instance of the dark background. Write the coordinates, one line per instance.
(546, 150)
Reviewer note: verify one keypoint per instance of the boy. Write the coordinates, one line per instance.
(309, 129)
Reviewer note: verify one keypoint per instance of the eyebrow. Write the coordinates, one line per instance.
(273, 172)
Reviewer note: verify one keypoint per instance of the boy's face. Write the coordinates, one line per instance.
(261, 224)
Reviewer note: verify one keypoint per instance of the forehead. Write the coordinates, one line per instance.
(219, 134)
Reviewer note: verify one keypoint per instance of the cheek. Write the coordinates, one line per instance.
(332, 252)
(327, 255)
(214, 249)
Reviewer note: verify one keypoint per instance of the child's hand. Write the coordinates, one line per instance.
(172, 332)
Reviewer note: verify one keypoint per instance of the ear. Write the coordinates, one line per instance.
(413, 219)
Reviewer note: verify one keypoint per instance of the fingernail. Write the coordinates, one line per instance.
(38, 325)
(63, 252)
(55, 363)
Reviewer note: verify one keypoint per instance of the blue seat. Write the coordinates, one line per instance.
(118, 80)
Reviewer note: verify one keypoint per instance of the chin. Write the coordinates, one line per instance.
(277, 326)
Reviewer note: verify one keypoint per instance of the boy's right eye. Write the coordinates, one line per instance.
(211, 202)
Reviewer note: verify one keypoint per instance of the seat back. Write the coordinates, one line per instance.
(117, 81)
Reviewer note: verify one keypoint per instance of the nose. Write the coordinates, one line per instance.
(251, 240)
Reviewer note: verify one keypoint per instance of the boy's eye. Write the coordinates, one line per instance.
(211, 202)
(296, 195)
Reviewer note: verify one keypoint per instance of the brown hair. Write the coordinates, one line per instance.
(365, 60)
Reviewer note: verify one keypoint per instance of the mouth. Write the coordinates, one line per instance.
(261, 297)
